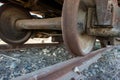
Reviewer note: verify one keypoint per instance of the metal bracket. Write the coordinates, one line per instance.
(107, 14)
(104, 12)
(101, 31)
(104, 22)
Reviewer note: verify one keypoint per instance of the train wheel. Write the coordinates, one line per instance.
(74, 20)
(9, 14)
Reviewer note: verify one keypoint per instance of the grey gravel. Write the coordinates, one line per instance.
(21, 62)
(106, 68)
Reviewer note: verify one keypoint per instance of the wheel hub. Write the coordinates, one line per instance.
(9, 14)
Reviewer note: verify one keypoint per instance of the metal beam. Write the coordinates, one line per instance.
(104, 32)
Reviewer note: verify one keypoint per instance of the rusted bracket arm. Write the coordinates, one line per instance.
(104, 12)
(107, 31)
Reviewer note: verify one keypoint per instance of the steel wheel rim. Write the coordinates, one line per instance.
(78, 44)
(26, 35)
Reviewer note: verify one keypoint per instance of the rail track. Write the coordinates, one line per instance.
(90, 20)
(68, 70)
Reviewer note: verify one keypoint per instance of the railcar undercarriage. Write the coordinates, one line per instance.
(79, 22)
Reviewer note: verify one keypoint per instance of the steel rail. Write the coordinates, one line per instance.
(68, 70)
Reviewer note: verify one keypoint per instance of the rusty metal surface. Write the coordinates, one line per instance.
(74, 23)
(101, 31)
(41, 24)
(105, 32)
(64, 70)
(104, 11)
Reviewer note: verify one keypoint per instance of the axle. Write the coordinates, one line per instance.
(42, 24)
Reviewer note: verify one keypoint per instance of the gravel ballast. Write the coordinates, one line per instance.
(105, 68)
(21, 62)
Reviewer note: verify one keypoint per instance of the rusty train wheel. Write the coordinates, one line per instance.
(74, 28)
(9, 14)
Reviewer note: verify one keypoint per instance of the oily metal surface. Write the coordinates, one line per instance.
(104, 12)
(74, 23)
(9, 14)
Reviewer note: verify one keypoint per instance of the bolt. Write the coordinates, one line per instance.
(76, 70)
